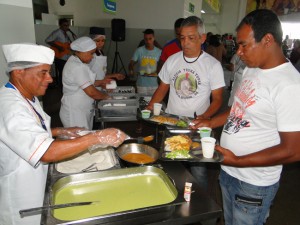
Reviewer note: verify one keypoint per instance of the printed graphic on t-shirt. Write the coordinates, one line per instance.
(148, 65)
(186, 82)
(244, 98)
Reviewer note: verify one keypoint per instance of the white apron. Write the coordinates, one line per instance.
(78, 109)
(98, 66)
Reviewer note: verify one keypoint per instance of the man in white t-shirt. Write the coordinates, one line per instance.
(237, 67)
(192, 76)
(262, 128)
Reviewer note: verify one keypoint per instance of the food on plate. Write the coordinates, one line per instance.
(195, 145)
(164, 120)
(182, 123)
(178, 142)
(178, 154)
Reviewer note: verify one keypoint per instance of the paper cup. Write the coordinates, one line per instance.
(111, 85)
(156, 108)
(204, 131)
(208, 147)
(145, 114)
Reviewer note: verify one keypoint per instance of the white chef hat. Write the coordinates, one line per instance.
(83, 44)
(26, 55)
(28, 52)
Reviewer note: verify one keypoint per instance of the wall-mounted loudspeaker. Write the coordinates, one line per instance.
(118, 29)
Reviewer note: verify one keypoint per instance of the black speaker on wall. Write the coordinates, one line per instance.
(118, 30)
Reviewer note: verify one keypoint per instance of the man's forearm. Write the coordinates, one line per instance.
(159, 94)
(219, 120)
(212, 109)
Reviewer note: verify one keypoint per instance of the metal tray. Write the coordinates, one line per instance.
(123, 90)
(195, 153)
(96, 180)
(88, 162)
(128, 109)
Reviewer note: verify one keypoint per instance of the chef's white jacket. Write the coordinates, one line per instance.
(23, 141)
(76, 106)
(99, 66)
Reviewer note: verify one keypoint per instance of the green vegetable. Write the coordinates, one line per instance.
(181, 123)
(178, 154)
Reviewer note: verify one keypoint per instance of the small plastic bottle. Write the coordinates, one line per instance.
(187, 191)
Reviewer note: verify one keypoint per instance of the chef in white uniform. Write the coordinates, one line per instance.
(79, 86)
(26, 139)
(99, 62)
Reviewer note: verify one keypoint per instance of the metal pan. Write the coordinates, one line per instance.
(139, 154)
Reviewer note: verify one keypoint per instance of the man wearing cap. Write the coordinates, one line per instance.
(99, 62)
(146, 57)
(60, 41)
(26, 139)
(79, 81)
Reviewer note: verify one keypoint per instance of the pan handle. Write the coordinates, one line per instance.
(172, 180)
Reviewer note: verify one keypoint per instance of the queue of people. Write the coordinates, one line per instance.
(260, 131)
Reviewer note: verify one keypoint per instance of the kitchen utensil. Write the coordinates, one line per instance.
(134, 149)
(90, 168)
(37, 210)
(140, 140)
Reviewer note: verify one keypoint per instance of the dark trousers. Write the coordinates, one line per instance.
(59, 66)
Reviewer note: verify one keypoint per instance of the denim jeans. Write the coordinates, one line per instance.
(243, 203)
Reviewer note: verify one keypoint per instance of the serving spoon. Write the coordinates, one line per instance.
(141, 139)
(38, 210)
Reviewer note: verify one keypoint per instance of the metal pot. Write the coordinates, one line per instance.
(137, 148)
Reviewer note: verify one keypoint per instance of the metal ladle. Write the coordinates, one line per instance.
(141, 139)
(38, 210)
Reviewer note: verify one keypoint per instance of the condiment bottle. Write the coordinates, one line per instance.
(187, 191)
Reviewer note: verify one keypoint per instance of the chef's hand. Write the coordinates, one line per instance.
(70, 132)
(117, 76)
(110, 137)
(102, 83)
(230, 159)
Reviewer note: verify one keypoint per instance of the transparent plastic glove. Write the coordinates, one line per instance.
(70, 132)
(108, 137)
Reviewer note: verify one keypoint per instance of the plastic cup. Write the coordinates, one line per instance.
(208, 147)
(156, 108)
(146, 113)
(204, 131)
(111, 85)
